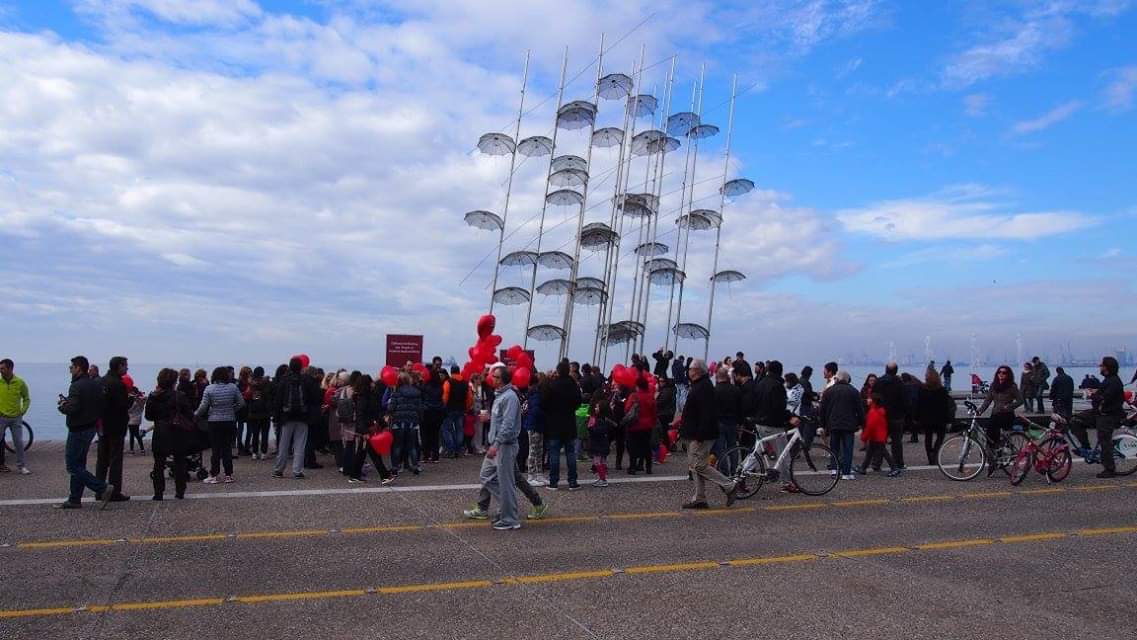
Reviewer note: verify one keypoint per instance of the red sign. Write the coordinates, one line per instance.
(401, 349)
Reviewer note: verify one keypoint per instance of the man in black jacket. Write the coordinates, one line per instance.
(116, 417)
(83, 406)
(896, 405)
(1105, 416)
(842, 414)
(1062, 394)
(559, 404)
(700, 428)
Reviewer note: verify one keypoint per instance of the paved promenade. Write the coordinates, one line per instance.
(914, 557)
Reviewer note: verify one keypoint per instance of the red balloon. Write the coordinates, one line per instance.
(381, 442)
(305, 361)
(521, 377)
(494, 340)
(525, 361)
(389, 376)
(662, 453)
(486, 325)
(617, 372)
(673, 435)
(470, 369)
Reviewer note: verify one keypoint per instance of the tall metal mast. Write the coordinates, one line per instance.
(509, 184)
(722, 203)
(691, 202)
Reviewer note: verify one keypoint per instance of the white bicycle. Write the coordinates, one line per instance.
(812, 468)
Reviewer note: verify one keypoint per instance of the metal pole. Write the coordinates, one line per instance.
(570, 304)
(509, 184)
(545, 202)
(622, 189)
(657, 191)
(679, 229)
(722, 203)
(690, 204)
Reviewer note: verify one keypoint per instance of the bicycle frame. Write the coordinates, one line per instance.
(794, 435)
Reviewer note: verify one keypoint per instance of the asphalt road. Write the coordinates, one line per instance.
(913, 557)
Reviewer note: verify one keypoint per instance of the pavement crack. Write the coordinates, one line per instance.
(124, 573)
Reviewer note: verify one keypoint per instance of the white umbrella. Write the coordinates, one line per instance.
(535, 146)
(495, 144)
(481, 219)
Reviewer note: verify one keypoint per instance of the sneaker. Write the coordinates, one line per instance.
(476, 514)
(298, 476)
(895, 473)
(732, 495)
(552, 487)
(24, 471)
(388, 480)
(537, 481)
(228, 480)
(211, 480)
(106, 497)
(696, 504)
(600, 484)
(848, 476)
(277, 474)
(861, 470)
(501, 526)
(538, 511)
(354, 480)
(1108, 473)
(67, 504)
(573, 486)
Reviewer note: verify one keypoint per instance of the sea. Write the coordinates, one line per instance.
(47, 380)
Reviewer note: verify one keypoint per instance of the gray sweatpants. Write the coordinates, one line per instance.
(292, 433)
(522, 485)
(498, 476)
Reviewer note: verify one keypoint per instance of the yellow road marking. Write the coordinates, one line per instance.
(302, 533)
(1034, 537)
(927, 498)
(953, 544)
(879, 551)
(437, 586)
(862, 503)
(553, 577)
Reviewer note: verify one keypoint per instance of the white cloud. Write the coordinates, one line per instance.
(970, 213)
(1122, 86)
(187, 12)
(975, 104)
(1048, 119)
(1013, 44)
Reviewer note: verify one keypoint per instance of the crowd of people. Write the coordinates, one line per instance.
(573, 414)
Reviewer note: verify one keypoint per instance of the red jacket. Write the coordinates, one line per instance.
(876, 425)
(647, 416)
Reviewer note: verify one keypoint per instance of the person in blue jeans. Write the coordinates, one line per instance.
(457, 399)
(82, 406)
(559, 402)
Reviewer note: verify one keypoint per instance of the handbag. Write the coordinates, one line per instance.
(178, 420)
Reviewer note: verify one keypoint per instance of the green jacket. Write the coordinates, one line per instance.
(14, 397)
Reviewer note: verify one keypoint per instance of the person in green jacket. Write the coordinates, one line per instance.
(14, 403)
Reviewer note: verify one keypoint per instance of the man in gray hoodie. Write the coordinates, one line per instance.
(499, 465)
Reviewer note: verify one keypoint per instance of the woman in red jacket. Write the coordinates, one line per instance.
(874, 435)
(640, 416)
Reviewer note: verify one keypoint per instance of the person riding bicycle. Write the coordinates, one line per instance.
(1006, 397)
(1106, 415)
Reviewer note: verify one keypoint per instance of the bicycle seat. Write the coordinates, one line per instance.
(971, 406)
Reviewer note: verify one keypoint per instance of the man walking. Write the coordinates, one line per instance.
(699, 426)
(842, 414)
(946, 373)
(116, 418)
(1062, 394)
(82, 406)
(499, 470)
(14, 403)
(457, 400)
(291, 412)
(1041, 375)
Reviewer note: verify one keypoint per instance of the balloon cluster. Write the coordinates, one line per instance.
(484, 353)
(629, 376)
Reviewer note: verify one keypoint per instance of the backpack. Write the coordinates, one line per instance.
(294, 405)
(344, 406)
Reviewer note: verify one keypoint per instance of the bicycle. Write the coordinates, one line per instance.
(812, 469)
(1056, 453)
(1041, 454)
(29, 437)
(963, 456)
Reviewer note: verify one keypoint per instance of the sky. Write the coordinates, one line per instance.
(229, 181)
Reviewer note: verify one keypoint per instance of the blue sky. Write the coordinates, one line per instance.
(231, 179)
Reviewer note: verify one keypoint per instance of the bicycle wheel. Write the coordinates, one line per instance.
(1056, 454)
(750, 472)
(1021, 466)
(814, 469)
(1125, 453)
(29, 436)
(1009, 447)
(961, 458)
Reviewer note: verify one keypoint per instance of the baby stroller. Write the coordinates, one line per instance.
(195, 459)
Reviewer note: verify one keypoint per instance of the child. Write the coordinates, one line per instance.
(600, 425)
(874, 435)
